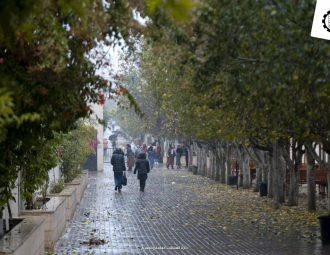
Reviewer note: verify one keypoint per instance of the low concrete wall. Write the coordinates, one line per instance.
(27, 238)
(86, 173)
(79, 183)
(71, 200)
(55, 212)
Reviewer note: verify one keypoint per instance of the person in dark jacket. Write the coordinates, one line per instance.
(179, 153)
(143, 168)
(130, 157)
(187, 155)
(118, 163)
(151, 155)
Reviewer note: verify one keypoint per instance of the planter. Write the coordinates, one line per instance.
(79, 184)
(55, 212)
(27, 238)
(263, 188)
(70, 195)
(86, 174)
(325, 229)
(232, 179)
(195, 170)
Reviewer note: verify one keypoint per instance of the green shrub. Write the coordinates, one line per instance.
(78, 144)
(57, 186)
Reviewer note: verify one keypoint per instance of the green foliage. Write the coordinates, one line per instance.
(78, 144)
(57, 186)
(35, 166)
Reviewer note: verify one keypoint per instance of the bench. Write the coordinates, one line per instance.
(320, 177)
(252, 170)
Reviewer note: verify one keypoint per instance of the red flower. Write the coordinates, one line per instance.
(106, 63)
(105, 83)
(117, 77)
(1, 60)
(43, 91)
(76, 106)
(88, 108)
(101, 100)
(83, 109)
(17, 32)
(126, 59)
(67, 114)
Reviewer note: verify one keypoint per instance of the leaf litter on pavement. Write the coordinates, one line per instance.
(242, 210)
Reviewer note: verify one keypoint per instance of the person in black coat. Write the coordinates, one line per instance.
(143, 168)
(118, 163)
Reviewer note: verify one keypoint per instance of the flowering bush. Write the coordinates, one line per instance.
(78, 144)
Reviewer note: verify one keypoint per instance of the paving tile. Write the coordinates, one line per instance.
(135, 223)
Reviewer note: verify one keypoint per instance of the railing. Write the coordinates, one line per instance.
(107, 154)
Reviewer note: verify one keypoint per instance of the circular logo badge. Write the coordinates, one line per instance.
(326, 21)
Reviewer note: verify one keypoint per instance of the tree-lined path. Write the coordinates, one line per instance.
(173, 212)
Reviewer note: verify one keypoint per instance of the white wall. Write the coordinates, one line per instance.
(98, 111)
(18, 205)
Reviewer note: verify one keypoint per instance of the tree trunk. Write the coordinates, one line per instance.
(204, 161)
(257, 180)
(294, 186)
(282, 172)
(265, 170)
(240, 171)
(190, 158)
(271, 177)
(217, 176)
(276, 178)
(222, 165)
(209, 169)
(228, 162)
(245, 169)
(213, 166)
(294, 167)
(311, 189)
(199, 160)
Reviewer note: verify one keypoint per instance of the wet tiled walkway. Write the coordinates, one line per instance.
(161, 220)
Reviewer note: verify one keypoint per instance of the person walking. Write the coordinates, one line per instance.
(151, 155)
(157, 153)
(105, 146)
(113, 139)
(137, 141)
(122, 150)
(113, 125)
(130, 157)
(179, 153)
(118, 163)
(144, 148)
(187, 155)
(137, 152)
(170, 157)
(143, 168)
